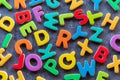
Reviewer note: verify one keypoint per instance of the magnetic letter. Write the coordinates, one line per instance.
(113, 42)
(79, 33)
(7, 40)
(52, 68)
(84, 47)
(92, 17)
(35, 2)
(64, 16)
(46, 52)
(51, 21)
(61, 39)
(112, 22)
(96, 4)
(29, 65)
(114, 4)
(53, 3)
(23, 16)
(101, 54)
(102, 75)
(83, 70)
(38, 40)
(20, 42)
(40, 78)
(4, 59)
(17, 3)
(27, 27)
(20, 64)
(38, 13)
(94, 37)
(74, 3)
(5, 3)
(72, 76)
(82, 17)
(115, 64)
(68, 57)
(4, 75)
(5, 27)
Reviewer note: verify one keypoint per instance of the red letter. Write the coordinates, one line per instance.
(22, 17)
(101, 54)
(20, 64)
(82, 17)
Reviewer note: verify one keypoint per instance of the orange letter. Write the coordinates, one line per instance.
(63, 37)
(19, 2)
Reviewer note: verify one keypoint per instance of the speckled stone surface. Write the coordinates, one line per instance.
(70, 25)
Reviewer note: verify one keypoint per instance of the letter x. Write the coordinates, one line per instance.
(85, 47)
